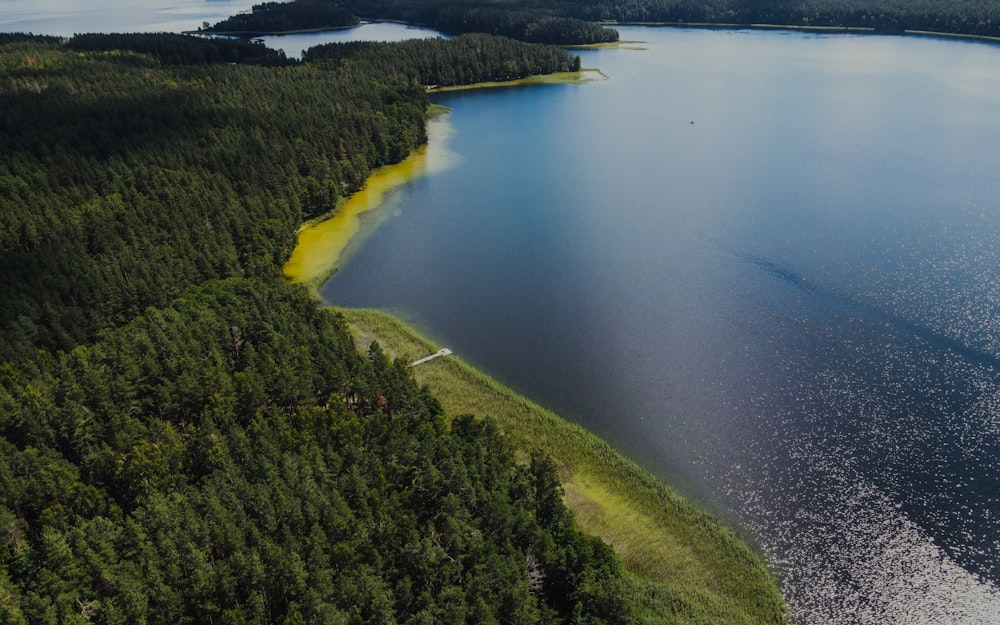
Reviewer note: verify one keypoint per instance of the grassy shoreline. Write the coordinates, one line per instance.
(683, 564)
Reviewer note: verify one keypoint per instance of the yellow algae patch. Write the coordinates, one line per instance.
(322, 245)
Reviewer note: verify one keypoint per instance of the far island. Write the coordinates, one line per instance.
(592, 22)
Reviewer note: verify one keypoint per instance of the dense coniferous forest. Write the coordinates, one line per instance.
(125, 179)
(971, 17)
(277, 17)
(537, 26)
(564, 22)
(177, 49)
(524, 22)
(437, 62)
(184, 438)
(232, 459)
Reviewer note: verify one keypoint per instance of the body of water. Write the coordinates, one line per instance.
(68, 17)
(764, 264)
(295, 44)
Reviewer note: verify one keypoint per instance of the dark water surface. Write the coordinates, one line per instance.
(766, 265)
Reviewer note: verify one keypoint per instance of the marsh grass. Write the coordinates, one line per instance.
(683, 565)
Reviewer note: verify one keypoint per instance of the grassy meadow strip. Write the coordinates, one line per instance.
(683, 563)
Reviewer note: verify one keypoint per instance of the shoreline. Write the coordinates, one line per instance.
(856, 30)
(581, 77)
(668, 545)
(680, 559)
(252, 34)
(323, 242)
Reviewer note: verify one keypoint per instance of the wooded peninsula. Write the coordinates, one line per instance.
(563, 22)
(187, 438)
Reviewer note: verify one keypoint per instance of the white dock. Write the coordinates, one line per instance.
(441, 352)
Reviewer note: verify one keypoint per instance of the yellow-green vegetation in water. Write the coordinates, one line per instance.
(323, 244)
(683, 565)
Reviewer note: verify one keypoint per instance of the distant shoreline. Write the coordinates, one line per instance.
(857, 30)
(250, 34)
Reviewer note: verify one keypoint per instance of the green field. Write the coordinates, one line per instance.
(685, 566)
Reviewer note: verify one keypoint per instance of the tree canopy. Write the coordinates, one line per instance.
(565, 22)
(184, 438)
(231, 458)
(130, 173)
(519, 20)
(178, 49)
(440, 62)
(277, 17)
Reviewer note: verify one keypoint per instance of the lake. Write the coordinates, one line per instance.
(765, 265)
(68, 17)
(762, 263)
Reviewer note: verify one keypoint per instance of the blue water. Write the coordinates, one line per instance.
(68, 17)
(295, 44)
(765, 265)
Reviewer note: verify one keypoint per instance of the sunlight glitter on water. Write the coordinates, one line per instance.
(858, 538)
(881, 432)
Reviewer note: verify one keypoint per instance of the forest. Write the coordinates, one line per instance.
(231, 458)
(178, 49)
(562, 22)
(966, 17)
(184, 437)
(518, 21)
(125, 178)
(963, 17)
(435, 62)
(278, 17)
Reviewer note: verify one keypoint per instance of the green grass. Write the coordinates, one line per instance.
(684, 566)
